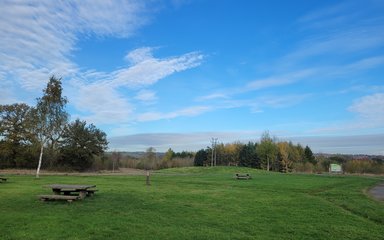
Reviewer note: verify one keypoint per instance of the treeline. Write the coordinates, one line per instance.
(282, 156)
(353, 164)
(268, 154)
(31, 134)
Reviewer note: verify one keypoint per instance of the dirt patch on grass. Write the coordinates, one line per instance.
(378, 192)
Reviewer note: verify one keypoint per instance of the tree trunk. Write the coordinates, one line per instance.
(40, 160)
(267, 164)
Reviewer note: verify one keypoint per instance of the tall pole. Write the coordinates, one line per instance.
(214, 152)
(212, 140)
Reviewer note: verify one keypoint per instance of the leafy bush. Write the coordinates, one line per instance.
(364, 166)
(304, 167)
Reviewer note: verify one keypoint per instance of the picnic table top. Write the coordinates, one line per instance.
(70, 186)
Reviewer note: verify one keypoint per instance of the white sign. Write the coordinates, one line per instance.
(335, 168)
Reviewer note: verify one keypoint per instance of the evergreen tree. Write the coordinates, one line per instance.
(309, 155)
(201, 157)
(248, 156)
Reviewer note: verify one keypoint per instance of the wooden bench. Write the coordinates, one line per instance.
(90, 192)
(58, 197)
(3, 179)
(73, 192)
(243, 176)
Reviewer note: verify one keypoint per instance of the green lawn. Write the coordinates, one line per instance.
(195, 203)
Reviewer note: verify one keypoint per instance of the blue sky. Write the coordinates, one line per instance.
(177, 73)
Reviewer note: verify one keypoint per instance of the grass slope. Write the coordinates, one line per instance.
(196, 203)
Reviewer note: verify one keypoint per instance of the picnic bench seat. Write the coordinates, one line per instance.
(69, 192)
(90, 192)
(58, 197)
(243, 176)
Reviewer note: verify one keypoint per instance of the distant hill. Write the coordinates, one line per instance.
(137, 154)
(351, 156)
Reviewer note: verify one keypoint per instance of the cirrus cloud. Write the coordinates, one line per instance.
(38, 39)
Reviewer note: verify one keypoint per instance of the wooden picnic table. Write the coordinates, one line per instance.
(243, 176)
(66, 191)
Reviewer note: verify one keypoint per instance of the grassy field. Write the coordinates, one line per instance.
(195, 203)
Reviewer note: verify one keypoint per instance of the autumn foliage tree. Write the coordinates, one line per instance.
(268, 154)
(267, 151)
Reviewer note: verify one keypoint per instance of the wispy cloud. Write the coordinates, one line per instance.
(146, 96)
(185, 112)
(276, 81)
(344, 28)
(100, 98)
(178, 141)
(232, 98)
(363, 144)
(370, 107)
(338, 41)
(368, 115)
(343, 42)
(100, 104)
(148, 70)
(259, 104)
(39, 38)
(260, 84)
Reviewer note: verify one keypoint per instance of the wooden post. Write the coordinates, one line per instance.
(147, 178)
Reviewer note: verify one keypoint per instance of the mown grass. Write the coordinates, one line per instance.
(195, 203)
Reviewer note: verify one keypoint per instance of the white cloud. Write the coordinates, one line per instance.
(148, 70)
(139, 55)
(102, 101)
(213, 96)
(371, 107)
(232, 98)
(283, 100)
(37, 39)
(324, 13)
(366, 63)
(276, 81)
(186, 112)
(110, 18)
(343, 28)
(100, 104)
(146, 96)
(259, 84)
(369, 116)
